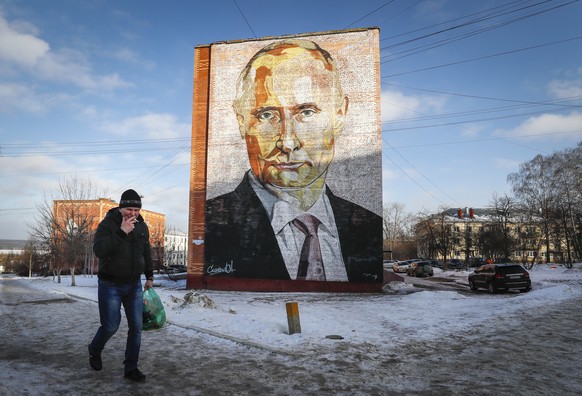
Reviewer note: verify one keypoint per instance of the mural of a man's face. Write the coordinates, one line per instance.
(292, 110)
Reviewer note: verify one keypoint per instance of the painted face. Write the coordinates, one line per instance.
(290, 117)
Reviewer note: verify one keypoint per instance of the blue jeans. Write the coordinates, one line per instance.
(111, 297)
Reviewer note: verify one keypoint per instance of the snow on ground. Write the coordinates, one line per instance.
(402, 312)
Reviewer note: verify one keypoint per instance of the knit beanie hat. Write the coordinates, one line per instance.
(130, 199)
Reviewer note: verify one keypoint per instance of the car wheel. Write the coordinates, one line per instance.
(491, 288)
(472, 286)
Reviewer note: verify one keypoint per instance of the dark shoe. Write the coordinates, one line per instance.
(135, 375)
(95, 360)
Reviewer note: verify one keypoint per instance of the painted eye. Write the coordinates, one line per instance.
(267, 116)
(307, 112)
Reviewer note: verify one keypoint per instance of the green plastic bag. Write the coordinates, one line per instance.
(154, 315)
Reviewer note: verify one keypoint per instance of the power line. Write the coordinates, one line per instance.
(420, 173)
(473, 112)
(481, 140)
(544, 103)
(412, 179)
(472, 22)
(100, 143)
(485, 57)
(400, 13)
(428, 46)
(450, 20)
(86, 152)
(11, 149)
(152, 171)
(89, 170)
(245, 18)
(468, 121)
(370, 13)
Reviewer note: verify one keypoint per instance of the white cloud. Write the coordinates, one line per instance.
(433, 10)
(15, 97)
(129, 56)
(149, 126)
(568, 87)
(396, 105)
(34, 55)
(472, 130)
(558, 126)
(70, 66)
(20, 47)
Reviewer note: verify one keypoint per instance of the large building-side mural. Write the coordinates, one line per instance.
(292, 173)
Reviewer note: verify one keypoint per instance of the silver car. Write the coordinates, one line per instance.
(402, 266)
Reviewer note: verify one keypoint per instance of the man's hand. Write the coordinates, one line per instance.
(148, 284)
(128, 224)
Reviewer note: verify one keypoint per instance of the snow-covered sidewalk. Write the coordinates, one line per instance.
(400, 313)
(408, 340)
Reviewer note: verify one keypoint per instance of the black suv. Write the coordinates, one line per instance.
(496, 277)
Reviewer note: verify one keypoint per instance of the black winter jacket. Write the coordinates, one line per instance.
(122, 257)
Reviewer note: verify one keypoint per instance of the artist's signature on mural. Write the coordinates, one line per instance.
(215, 270)
(370, 276)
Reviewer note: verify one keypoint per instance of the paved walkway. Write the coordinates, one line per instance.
(44, 336)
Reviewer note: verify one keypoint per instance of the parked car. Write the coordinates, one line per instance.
(402, 266)
(453, 264)
(387, 264)
(497, 277)
(476, 262)
(435, 263)
(420, 268)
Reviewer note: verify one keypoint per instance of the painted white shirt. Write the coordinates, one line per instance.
(290, 238)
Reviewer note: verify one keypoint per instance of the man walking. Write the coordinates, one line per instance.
(122, 246)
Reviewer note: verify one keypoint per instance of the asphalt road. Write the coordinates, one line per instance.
(44, 336)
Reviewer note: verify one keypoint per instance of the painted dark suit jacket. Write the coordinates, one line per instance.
(240, 241)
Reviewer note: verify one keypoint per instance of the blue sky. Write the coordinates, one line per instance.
(103, 90)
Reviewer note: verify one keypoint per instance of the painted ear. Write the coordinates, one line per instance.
(340, 115)
(345, 104)
(241, 125)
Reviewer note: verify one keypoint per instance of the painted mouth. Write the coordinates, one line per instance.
(288, 165)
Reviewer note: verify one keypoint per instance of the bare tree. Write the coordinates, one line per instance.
(532, 186)
(28, 256)
(551, 189)
(397, 225)
(436, 234)
(567, 183)
(63, 225)
(501, 242)
(157, 239)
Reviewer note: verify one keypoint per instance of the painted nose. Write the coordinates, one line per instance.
(288, 140)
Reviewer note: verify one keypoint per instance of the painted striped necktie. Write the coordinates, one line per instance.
(310, 261)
